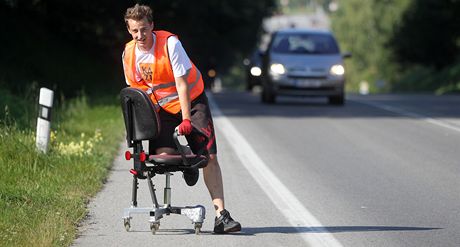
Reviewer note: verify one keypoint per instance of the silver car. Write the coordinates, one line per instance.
(300, 62)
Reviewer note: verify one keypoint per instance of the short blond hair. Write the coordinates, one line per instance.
(139, 12)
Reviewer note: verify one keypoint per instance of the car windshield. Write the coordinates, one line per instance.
(304, 43)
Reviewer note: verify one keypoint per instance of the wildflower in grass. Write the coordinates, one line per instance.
(97, 135)
(71, 148)
(81, 147)
(53, 136)
(89, 144)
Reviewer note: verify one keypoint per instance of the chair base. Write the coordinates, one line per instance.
(195, 213)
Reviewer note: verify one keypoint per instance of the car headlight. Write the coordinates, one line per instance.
(337, 69)
(277, 68)
(256, 71)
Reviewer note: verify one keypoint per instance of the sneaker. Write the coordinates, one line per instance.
(225, 223)
(191, 176)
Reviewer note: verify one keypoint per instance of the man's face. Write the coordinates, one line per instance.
(141, 32)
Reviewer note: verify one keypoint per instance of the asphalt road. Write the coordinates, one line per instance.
(380, 171)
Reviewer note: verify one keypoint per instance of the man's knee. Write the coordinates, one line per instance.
(213, 160)
(165, 150)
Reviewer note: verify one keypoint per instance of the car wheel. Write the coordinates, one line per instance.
(337, 100)
(268, 96)
(249, 86)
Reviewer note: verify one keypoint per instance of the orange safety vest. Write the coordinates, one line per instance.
(163, 91)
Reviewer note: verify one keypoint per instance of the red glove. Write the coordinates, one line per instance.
(185, 128)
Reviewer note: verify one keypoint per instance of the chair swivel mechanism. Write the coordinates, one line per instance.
(142, 123)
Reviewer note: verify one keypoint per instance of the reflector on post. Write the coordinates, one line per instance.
(45, 103)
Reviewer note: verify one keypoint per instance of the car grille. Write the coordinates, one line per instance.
(305, 77)
(306, 89)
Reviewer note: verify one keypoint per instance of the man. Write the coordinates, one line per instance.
(156, 62)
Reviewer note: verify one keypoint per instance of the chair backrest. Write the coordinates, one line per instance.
(141, 118)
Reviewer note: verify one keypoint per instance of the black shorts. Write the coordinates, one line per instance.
(201, 120)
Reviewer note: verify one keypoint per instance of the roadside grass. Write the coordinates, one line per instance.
(43, 197)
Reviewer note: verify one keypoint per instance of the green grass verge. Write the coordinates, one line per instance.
(44, 197)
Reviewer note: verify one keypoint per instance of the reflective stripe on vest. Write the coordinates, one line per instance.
(163, 92)
(175, 95)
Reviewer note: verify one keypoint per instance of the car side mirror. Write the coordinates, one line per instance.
(346, 55)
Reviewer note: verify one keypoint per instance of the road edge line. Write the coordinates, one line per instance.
(411, 115)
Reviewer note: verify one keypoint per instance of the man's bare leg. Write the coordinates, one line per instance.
(213, 180)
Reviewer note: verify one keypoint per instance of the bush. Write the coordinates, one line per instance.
(424, 79)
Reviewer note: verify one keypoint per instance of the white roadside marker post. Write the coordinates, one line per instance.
(45, 103)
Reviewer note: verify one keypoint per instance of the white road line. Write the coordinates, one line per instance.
(286, 202)
(412, 115)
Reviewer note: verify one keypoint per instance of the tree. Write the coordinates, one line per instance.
(214, 33)
(428, 34)
(364, 28)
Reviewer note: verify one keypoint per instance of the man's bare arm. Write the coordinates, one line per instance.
(184, 95)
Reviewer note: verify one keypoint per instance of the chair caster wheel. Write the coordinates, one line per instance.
(127, 224)
(198, 228)
(154, 227)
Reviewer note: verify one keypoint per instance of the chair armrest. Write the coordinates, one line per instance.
(181, 149)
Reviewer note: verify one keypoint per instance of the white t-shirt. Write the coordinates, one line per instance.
(179, 60)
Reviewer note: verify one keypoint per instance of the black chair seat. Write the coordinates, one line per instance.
(175, 159)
